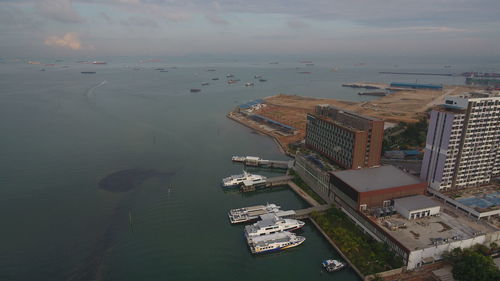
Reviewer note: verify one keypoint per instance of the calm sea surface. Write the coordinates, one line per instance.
(62, 132)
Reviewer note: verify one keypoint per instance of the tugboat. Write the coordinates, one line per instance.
(333, 265)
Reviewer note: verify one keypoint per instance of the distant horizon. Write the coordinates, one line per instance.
(385, 28)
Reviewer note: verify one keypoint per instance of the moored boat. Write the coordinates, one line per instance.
(274, 242)
(272, 224)
(333, 265)
(252, 213)
(237, 180)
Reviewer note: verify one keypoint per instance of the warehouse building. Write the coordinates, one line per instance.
(374, 187)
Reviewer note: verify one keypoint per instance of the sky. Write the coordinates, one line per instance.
(249, 27)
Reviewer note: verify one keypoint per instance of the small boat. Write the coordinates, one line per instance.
(231, 81)
(304, 72)
(229, 75)
(333, 265)
(249, 84)
(159, 68)
(205, 84)
(211, 70)
(274, 242)
(43, 69)
(88, 72)
(163, 70)
(257, 76)
(215, 79)
(262, 80)
(195, 90)
(99, 62)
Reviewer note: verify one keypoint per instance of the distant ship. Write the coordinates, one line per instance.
(99, 62)
(215, 79)
(237, 180)
(262, 80)
(195, 90)
(205, 84)
(274, 242)
(88, 72)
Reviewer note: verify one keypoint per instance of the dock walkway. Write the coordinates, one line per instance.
(258, 162)
(302, 194)
(304, 213)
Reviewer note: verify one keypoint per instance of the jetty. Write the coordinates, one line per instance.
(365, 85)
(269, 182)
(259, 162)
(416, 73)
(304, 213)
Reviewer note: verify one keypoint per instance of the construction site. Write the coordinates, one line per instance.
(283, 117)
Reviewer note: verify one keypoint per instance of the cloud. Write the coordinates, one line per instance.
(215, 19)
(426, 29)
(59, 10)
(297, 24)
(106, 17)
(69, 40)
(139, 22)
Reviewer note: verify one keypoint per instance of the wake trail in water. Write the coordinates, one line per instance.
(91, 90)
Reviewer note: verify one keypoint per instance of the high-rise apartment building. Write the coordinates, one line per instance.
(351, 140)
(462, 147)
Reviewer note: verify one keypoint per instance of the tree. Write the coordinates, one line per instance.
(474, 266)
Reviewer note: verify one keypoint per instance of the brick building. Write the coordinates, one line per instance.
(351, 140)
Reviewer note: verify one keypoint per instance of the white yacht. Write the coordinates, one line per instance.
(237, 180)
(274, 242)
(252, 213)
(271, 224)
(333, 265)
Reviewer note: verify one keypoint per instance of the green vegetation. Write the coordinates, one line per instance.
(406, 135)
(368, 255)
(298, 181)
(474, 264)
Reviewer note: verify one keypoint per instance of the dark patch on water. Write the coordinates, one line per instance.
(126, 180)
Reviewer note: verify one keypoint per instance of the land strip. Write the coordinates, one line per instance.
(400, 106)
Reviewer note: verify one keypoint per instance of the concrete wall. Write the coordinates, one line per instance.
(314, 177)
(416, 257)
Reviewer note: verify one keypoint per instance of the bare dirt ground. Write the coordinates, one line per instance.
(400, 106)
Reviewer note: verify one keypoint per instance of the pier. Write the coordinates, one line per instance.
(304, 213)
(259, 162)
(270, 182)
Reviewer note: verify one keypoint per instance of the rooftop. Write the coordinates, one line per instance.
(370, 179)
(420, 233)
(416, 202)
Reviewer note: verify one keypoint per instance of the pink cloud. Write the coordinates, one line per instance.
(69, 40)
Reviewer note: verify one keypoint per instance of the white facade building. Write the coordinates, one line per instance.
(462, 147)
(418, 206)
